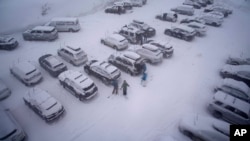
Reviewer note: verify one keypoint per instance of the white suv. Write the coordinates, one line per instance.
(43, 104)
(74, 55)
(115, 41)
(78, 84)
(230, 108)
(26, 73)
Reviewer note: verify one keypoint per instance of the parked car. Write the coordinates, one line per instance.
(171, 17)
(102, 70)
(188, 20)
(130, 62)
(192, 3)
(8, 43)
(221, 9)
(150, 53)
(217, 13)
(48, 33)
(133, 35)
(74, 55)
(201, 2)
(4, 90)
(240, 73)
(236, 60)
(10, 128)
(68, 24)
(78, 84)
(230, 108)
(149, 31)
(115, 41)
(26, 72)
(235, 88)
(211, 20)
(181, 31)
(116, 9)
(199, 28)
(184, 10)
(164, 47)
(43, 104)
(204, 128)
(138, 3)
(125, 4)
(51, 64)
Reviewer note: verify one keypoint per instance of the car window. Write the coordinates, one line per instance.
(242, 114)
(232, 109)
(218, 103)
(239, 93)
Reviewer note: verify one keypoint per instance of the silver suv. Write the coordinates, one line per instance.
(230, 108)
(47, 33)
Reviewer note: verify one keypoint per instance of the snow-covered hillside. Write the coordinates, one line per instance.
(178, 86)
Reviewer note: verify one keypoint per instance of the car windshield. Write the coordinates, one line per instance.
(50, 31)
(123, 40)
(221, 130)
(61, 64)
(51, 106)
(8, 135)
(80, 54)
(31, 72)
(11, 39)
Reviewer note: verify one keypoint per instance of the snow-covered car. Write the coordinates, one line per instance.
(10, 128)
(4, 90)
(188, 20)
(116, 9)
(133, 35)
(204, 128)
(8, 43)
(211, 20)
(240, 73)
(51, 64)
(181, 31)
(149, 31)
(125, 4)
(65, 24)
(229, 108)
(221, 9)
(115, 41)
(235, 60)
(78, 84)
(192, 3)
(184, 10)
(150, 53)
(235, 88)
(47, 33)
(217, 13)
(203, 3)
(171, 17)
(164, 47)
(74, 55)
(102, 70)
(43, 104)
(26, 72)
(138, 3)
(199, 28)
(130, 62)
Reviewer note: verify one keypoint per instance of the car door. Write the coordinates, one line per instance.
(230, 113)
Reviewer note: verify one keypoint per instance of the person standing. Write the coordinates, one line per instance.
(144, 78)
(124, 86)
(115, 84)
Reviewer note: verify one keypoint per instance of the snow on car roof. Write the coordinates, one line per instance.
(25, 66)
(189, 29)
(117, 36)
(53, 61)
(236, 68)
(232, 101)
(73, 49)
(131, 55)
(196, 24)
(185, 7)
(110, 68)
(2, 85)
(6, 124)
(236, 84)
(6, 38)
(149, 47)
(66, 19)
(44, 28)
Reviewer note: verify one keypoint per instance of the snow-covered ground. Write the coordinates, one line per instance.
(179, 85)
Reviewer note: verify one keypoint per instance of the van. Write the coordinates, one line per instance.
(65, 24)
(10, 128)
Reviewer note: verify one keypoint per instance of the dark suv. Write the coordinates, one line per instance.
(149, 31)
(130, 62)
(102, 70)
(182, 32)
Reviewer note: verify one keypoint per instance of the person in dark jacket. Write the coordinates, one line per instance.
(115, 84)
(124, 86)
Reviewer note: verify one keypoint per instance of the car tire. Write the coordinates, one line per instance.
(105, 81)
(214, 24)
(115, 47)
(187, 133)
(87, 71)
(168, 33)
(185, 38)
(217, 114)
(71, 30)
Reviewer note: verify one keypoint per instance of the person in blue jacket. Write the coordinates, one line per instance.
(144, 78)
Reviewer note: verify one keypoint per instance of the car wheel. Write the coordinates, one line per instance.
(217, 114)
(185, 38)
(115, 47)
(87, 71)
(214, 24)
(168, 33)
(71, 30)
(26, 103)
(102, 41)
(105, 81)
(187, 133)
